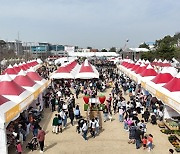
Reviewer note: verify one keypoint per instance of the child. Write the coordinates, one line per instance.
(19, 147)
(144, 141)
(149, 142)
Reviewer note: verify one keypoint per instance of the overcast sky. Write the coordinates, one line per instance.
(96, 23)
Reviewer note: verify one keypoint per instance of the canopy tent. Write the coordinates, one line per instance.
(154, 62)
(22, 67)
(25, 65)
(149, 71)
(38, 79)
(165, 63)
(64, 60)
(86, 71)
(140, 69)
(67, 71)
(16, 68)
(11, 90)
(174, 84)
(165, 75)
(5, 105)
(27, 83)
(10, 70)
(91, 54)
(137, 64)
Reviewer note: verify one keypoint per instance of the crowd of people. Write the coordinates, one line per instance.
(62, 96)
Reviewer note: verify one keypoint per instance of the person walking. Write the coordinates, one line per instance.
(150, 142)
(105, 112)
(71, 115)
(93, 126)
(121, 112)
(55, 124)
(19, 147)
(59, 123)
(138, 135)
(53, 103)
(85, 130)
(41, 138)
(97, 125)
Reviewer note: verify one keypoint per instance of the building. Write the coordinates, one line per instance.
(133, 53)
(15, 46)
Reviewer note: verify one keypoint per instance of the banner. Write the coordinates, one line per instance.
(10, 114)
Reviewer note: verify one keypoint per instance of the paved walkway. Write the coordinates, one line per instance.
(112, 140)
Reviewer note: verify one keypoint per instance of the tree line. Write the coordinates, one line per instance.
(165, 48)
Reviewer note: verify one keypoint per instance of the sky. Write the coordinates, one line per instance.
(95, 23)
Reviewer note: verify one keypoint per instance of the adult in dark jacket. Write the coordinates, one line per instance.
(71, 115)
(138, 137)
(132, 131)
(53, 103)
(146, 115)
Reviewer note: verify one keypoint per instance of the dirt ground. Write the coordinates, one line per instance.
(113, 139)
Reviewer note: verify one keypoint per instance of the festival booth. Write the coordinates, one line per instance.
(38, 94)
(10, 71)
(18, 96)
(66, 71)
(148, 74)
(16, 68)
(170, 94)
(136, 75)
(5, 105)
(161, 79)
(87, 71)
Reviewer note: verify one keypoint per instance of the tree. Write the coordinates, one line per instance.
(89, 47)
(113, 49)
(144, 45)
(103, 50)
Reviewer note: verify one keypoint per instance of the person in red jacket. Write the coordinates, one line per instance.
(41, 138)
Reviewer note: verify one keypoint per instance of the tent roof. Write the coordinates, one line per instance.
(16, 68)
(162, 78)
(86, 67)
(149, 71)
(87, 71)
(9, 87)
(33, 75)
(23, 80)
(174, 84)
(63, 70)
(140, 69)
(3, 100)
(170, 70)
(10, 70)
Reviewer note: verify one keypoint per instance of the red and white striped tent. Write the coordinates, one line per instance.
(10, 71)
(16, 68)
(26, 82)
(5, 105)
(12, 90)
(66, 71)
(165, 75)
(35, 76)
(140, 69)
(174, 84)
(87, 71)
(149, 71)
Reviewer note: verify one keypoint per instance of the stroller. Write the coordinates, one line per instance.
(33, 144)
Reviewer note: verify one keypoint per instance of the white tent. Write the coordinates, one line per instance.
(87, 71)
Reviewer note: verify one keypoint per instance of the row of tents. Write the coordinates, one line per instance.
(73, 70)
(20, 86)
(164, 82)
